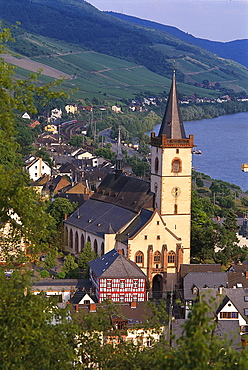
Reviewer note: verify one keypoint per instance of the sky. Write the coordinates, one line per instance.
(217, 20)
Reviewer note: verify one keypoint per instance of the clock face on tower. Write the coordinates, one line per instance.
(176, 192)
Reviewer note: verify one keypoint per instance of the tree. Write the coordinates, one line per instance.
(29, 338)
(87, 255)
(70, 267)
(50, 260)
(21, 209)
(199, 182)
(76, 140)
(61, 207)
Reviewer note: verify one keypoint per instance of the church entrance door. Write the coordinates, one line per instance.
(157, 286)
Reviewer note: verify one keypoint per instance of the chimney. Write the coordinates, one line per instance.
(76, 307)
(92, 307)
(133, 305)
(246, 274)
(220, 290)
(65, 217)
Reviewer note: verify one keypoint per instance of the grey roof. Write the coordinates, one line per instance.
(140, 221)
(96, 217)
(236, 296)
(125, 191)
(79, 295)
(225, 329)
(202, 280)
(235, 278)
(172, 124)
(208, 267)
(58, 284)
(115, 265)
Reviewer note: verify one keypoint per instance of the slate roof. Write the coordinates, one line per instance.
(96, 217)
(202, 280)
(125, 191)
(172, 124)
(209, 267)
(59, 284)
(115, 265)
(225, 329)
(235, 278)
(139, 222)
(79, 295)
(236, 296)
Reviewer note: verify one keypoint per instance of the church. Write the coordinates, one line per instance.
(147, 222)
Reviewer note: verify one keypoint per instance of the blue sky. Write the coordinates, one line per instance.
(217, 20)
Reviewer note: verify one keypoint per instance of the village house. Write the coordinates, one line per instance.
(117, 278)
(36, 167)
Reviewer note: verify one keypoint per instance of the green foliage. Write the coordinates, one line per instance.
(244, 201)
(44, 274)
(199, 182)
(61, 275)
(76, 140)
(105, 153)
(60, 207)
(50, 260)
(70, 267)
(42, 153)
(29, 339)
(87, 255)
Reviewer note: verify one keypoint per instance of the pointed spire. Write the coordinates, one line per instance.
(172, 124)
(118, 167)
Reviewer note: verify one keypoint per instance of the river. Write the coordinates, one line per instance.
(223, 142)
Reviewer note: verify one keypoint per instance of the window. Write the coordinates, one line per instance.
(175, 209)
(139, 257)
(135, 284)
(246, 311)
(157, 222)
(229, 315)
(157, 256)
(177, 151)
(156, 165)
(158, 237)
(109, 284)
(171, 257)
(35, 174)
(122, 284)
(122, 298)
(145, 237)
(246, 299)
(176, 165)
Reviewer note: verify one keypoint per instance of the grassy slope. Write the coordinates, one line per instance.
(108, 77)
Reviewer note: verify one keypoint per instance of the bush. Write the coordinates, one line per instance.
(44, 274)
(61, 275)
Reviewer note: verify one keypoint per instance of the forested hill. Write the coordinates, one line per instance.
(236, 50)
(78, 22)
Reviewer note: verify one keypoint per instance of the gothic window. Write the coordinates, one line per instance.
(95, 247)
(76, 242)
(139, 258)
(171, 257)
(82, 242)
(157, 257)
(71, 239)
(88, 240)
(156, 165)
(102, 249)
(176, 165)
(66, 235)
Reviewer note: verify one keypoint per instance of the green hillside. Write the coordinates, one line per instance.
(111, 59)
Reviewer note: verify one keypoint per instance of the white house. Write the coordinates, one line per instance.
(36, 168)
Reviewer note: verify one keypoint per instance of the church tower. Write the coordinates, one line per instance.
(171, 172)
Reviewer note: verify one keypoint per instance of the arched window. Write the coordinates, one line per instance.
(171, 257)
(95, 247)
(71, 239)
(102, 249)
(66, 236)
(139, 258)
(156, 165)
(88, 240)
(176, 165)
(157, 257)
(82, 242)
(76, 242)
